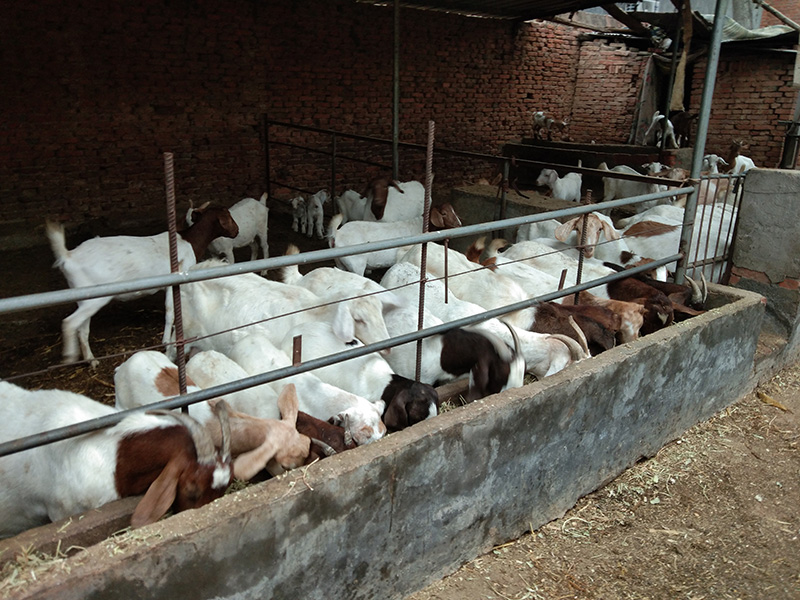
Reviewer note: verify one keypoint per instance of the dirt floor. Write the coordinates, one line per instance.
(714, 515)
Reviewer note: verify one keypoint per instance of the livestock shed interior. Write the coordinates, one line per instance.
(201, 102)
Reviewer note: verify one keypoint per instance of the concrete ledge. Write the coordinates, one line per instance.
(383, 520)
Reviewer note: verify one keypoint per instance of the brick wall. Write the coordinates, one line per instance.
(609, 76)
(749, 102)
(789, 8)
(94, 94)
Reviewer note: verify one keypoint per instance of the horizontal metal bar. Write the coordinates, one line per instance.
(62, 433)
(20, 303)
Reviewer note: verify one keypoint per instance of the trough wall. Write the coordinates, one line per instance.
(383, 520)
(94, 94)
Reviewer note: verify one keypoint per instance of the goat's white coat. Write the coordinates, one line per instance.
(400, 206)
(252, 217)
(51, 482)
(256, 354)
(316, 214)
(217, 305)
(563, 188)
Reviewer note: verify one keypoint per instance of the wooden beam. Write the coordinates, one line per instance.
(620, 15)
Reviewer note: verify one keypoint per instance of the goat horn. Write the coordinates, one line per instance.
(697, 295)
(705, 286)
(325, 447)
(517, 345)
(581, 335)
(203, 444)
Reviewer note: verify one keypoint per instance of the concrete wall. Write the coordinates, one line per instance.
(384, 520)
(766, 254)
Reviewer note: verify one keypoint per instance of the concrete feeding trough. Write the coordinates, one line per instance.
(383, 520)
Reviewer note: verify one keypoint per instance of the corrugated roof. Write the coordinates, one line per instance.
(499, 9)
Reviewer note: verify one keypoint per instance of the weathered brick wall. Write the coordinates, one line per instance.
(94, 93)
(609, 77)
(749, 101)
(789, 8)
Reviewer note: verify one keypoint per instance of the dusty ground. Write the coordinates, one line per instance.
(714, 515)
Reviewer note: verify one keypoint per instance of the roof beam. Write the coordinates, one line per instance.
(620, 15)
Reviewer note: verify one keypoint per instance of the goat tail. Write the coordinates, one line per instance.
(55, 234)
(263, 199)
(291, 274)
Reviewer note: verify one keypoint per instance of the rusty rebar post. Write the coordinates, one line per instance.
(297, 350)
(175, 290)
(423, 263)
(581, 247)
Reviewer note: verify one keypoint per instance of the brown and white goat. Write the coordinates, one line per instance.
(170, 459)
(326, 438)
(121, 258)
(256, 443)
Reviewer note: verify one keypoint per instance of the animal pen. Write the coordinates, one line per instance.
(511, 436)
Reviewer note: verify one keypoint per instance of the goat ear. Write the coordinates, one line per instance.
(248, 464)
(611, 233)
(288, 404)
(562, 231)
(159, 496)
(437, 218)
(396, 418)
(343, 325)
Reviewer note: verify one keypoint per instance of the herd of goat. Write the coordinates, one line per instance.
(244, 325)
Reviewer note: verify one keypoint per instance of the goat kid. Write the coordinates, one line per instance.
(170, 459)
(315, 208)
(563, 188)
(122, 258)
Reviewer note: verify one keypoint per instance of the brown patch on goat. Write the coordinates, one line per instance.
(327, 433)
(600, 325)
(167, 384)
(407, 402)
(649, 229)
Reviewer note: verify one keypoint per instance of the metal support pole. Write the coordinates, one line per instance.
(396, 95)
(333, 170)
(265, 136)
(702, 133)
(423, 263)
(175, 290)
(791, 143)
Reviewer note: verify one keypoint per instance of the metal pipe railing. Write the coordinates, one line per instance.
(63, 433)
(43, 299)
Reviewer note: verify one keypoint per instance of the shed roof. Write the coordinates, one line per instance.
(523, 10)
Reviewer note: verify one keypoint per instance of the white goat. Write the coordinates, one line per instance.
(625, 188)
(316, 214)
(369, 376)
(654, 133)
(360, 232)
(299, 214)
(236, 306)
(352, 206)
(563, 188)
(171, 460)
(252, 217)
(389, 200)
(121, 258)
(330, 283)
(543, 354)
(360, 418)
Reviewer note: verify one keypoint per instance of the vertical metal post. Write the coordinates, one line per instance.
(333, 171)
(503, 202)
(396, 94)
(423, 263)
(175, 290)
(297, 350)
(702, 133)
(265, 137)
